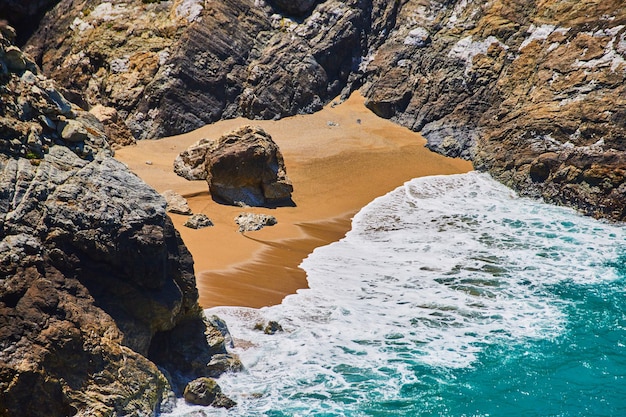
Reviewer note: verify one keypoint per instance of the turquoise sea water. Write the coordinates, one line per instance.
(451, 296)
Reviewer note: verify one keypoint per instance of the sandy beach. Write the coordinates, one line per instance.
(338, 160)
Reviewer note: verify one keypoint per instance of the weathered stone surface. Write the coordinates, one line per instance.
(530, 91)
(97, 291)
(72, 131)
(176, 203)
(198, 221)
(205, 391)
(250, 222)
(191, 163)
(487, 81)
(242, 167)
(118, 133)
(169, 70)
(222, 363)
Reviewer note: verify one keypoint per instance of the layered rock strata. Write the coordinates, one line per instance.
(500, 82)
(98, 306)
(170, 67)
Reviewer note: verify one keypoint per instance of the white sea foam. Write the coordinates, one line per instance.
(430, 275)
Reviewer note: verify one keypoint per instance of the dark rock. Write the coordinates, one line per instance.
(97, 290)
(205, 391)
(270, 328)
(24, 16)
(198, 221)
(222, 363)
(294, 7)
(242, 167)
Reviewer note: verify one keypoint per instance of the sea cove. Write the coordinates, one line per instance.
(385, 200)
(449, 296)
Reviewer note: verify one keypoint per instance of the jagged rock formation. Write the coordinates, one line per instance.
(500, 82)
(170, 67)
(251, 222)
(243, 167)
(530, 91)
(97, 292)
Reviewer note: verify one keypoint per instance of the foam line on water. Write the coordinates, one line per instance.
(429, 276)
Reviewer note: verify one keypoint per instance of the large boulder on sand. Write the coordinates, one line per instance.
(243, 167)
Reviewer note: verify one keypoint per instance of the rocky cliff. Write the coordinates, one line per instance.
(532, 91)
(98, 304)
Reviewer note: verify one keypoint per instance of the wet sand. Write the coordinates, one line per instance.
(338, 160)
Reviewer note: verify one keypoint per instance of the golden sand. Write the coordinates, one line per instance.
(338, 160)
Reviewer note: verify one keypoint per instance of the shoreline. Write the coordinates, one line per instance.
(338, 159)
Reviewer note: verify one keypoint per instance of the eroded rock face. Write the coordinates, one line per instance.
(499, 82)
(530, 91)
(242, 167)
(171, 67)
(96, 286)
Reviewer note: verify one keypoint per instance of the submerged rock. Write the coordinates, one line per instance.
(224, 362)
(270, 328)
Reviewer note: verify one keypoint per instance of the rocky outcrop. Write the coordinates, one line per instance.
(499, 82)
(205, 391)
(170, 67)
(243, 167)
(531, 91)
(98, 306)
